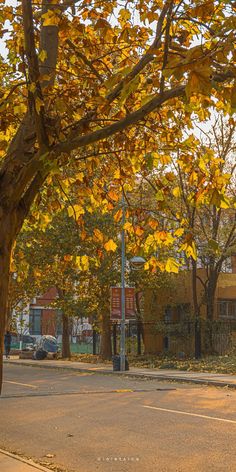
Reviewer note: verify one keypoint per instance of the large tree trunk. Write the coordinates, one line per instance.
(66, 354)
(210, 306)
(153, 341)
(7, 236)
(106, 347)
(196, 312)
(65, 336)
(22, 173)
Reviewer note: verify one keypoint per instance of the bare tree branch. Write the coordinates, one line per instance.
(78, 141)
(33, 70)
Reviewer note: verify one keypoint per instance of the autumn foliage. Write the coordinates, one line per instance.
(91, 89)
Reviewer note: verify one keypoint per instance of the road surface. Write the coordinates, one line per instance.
(88, 422)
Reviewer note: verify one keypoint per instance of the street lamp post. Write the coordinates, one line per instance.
(123, 259)
(136, 262)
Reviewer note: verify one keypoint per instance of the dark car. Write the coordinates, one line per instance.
(27, 341)
(46, 344)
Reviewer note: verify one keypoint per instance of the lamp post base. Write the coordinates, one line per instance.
(117, 366)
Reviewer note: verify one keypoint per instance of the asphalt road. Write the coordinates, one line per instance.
(96, 423)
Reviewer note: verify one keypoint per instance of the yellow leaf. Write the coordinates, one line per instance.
(153, 224)
(165, 159)
(32, 87)
(78, 210)
(78, 262)
(172, 265)
(179, 232)
(43, 55)
(50, 18)
(176, 192)
(67, 258)
(225, 202)
(75, 211)
(70, 211)
(37, 273)
(19, 109)
(118, 215)
(233, 96)
(110, 245)
(124, 14)
(117, 174)
(113, 195)
(190, 249)
(139, 231)
(80, 176)
(129, 88)
(83, 235)
(46, 219)
(98, 235)
(85, 262)
(128, 227)
(199, 81)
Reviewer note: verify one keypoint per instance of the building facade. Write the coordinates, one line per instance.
(41, 318)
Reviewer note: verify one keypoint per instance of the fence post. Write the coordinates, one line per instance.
(94, 342)
(198, 343)
(139, 338)
(114, 333)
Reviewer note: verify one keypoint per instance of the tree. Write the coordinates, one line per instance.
(71, 80)
(79, 260)
(201, 221)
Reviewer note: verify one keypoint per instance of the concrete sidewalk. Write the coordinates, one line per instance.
(202, 378)
(13, 463)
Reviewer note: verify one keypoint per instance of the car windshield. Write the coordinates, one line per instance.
(50, 345)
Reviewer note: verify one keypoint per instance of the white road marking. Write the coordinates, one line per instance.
(178, 412)
(19, 383)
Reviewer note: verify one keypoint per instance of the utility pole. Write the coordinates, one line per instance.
(122, 324)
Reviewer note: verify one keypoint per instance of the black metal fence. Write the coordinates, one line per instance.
(189, 338)
(181, 339)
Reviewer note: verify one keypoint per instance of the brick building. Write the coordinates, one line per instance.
(41, 318)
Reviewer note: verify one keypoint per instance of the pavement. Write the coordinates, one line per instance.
(13, 463)
(88, 421)
(201, 378)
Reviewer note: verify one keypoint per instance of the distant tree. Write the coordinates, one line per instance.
(202, 217)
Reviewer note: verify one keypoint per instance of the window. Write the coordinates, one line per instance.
(226, 309)
(177, 313)
(168, 315)
(35, 320)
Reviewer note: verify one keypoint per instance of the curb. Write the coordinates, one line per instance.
(25, 461)
(208, 382)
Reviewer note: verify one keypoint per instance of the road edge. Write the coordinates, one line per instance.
(163, 377)
(29, 462)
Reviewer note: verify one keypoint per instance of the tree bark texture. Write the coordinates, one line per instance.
(210, 306)
(7, 237)
(106, 347)
(196, 313)
(65, 336)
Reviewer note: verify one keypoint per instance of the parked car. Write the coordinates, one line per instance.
(27, 341)
(45, 345)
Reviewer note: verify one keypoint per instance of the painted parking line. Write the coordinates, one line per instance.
(178, 412)
(19, 383)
